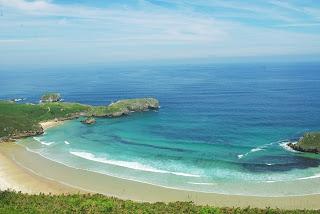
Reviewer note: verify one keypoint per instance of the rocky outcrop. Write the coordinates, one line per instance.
(23, 134)
(89, 121)
(296, 147)
(50, 98)
(310, 142)
(125, 107)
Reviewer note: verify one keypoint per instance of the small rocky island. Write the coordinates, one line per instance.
(310, 142)
(23, 120)
(89, 121)
(50, 98)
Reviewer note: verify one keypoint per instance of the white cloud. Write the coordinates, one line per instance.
(125, 24)
(41, 30)
(28, 5)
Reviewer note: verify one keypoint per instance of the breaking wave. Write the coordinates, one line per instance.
(127, 164)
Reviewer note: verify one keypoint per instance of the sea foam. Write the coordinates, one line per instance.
(257, 149)
(285, 146)
(204, 184)
(127, 164)
(43, 142)
(310, 177)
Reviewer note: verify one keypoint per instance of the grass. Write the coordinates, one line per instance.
(311, 139)
(12, 202)
(124, 107)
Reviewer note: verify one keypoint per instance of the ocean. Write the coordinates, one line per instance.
(221, 127)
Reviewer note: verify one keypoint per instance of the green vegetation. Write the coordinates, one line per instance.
(124, 107)
(51, 97)
(11, 202)
(16, 119)
(310, 142)
(22, 120)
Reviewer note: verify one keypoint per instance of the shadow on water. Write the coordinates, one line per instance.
(283, 163)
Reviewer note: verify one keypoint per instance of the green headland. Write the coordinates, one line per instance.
(22, 120)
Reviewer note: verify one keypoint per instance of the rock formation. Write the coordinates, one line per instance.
(89, 121)
(50, 97)
(310, 142)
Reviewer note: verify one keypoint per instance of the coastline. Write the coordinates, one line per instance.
(21, 177)
(15, 177)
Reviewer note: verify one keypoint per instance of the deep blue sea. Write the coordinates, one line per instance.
(221, 127)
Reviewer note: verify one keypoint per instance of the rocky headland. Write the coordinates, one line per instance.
(310, 142)
(23, 120)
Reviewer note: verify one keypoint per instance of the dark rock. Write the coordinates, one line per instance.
(89, 121)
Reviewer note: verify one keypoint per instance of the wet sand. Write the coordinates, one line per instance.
(32, 173)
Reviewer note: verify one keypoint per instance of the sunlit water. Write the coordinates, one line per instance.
(220, 128)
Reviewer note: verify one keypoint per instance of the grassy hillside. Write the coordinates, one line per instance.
(11, 202)
(17, 118)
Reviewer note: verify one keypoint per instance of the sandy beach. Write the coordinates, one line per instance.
(25, 171)
(15, 177)
(51, 123)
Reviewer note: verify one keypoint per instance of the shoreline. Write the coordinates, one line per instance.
(51, 123)
(57, 178)
(15, 177)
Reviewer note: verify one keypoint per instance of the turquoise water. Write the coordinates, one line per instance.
(220, 128)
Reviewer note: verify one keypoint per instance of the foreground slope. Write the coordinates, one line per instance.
(11, 202)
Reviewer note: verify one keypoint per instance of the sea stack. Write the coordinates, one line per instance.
(50, 98)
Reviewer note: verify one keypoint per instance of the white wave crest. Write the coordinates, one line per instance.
(127, 164)
(43, 142)
(240, 156)
(204, 184)
(66, 142)
(271, 181)
(285, 146)
(310, 177)
(46, 143)
(257, 149)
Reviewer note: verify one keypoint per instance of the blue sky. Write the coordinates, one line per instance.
(105, 31)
